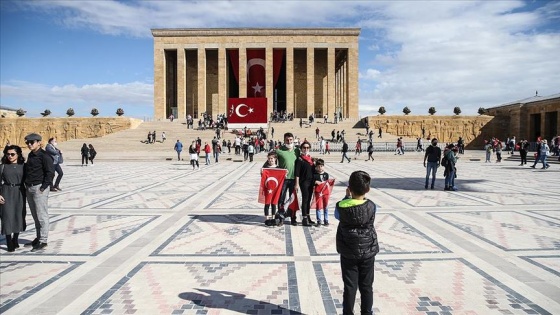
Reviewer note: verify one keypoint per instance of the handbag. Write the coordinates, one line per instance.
(60, 159)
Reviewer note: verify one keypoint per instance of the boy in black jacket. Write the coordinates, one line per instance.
(356, 242)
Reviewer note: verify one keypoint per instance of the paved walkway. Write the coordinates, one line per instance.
(159, 238)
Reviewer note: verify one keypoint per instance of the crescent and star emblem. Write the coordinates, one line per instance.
(238, 108)
(266, 183)
(255, 62)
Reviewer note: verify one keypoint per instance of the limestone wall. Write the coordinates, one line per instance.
(14, 130)
(473, 129)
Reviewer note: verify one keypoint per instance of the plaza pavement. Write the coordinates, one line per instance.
(156, 237)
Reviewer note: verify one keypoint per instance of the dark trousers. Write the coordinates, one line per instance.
(266, 210)
(523, 154)
(58, 170)
(306, 188)
(357, 274)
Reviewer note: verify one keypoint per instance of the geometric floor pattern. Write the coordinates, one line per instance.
(160, 238)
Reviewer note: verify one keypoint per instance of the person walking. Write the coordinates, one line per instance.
(178, 147)
(164, 137)
(449, 164)
(85, 154)
(39, 172)
(523, 148)
(327, 148)
(207, 151)
(370, 151)
(92, 153)
(344, 151)
(12, 196)
(56, 155)
(193, 153)
(545, 152)
(488, 149)
(433, 155)
(380, 131)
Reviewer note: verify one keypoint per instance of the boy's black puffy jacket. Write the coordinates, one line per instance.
(356, 237)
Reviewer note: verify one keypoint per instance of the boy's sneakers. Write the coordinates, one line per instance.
(326, 223)
(318, 223)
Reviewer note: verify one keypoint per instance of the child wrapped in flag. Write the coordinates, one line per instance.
(322, 192)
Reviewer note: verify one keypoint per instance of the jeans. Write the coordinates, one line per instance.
(543, 160)
(207, 158)
(450, 179)
(344, 156)
(431, 167)
(38, 204)
(58, 170)
(488, 156)
(320, 216)
(357, 274)
(178, 155)
(216, 155)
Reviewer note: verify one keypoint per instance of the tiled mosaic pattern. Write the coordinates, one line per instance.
(185, 288)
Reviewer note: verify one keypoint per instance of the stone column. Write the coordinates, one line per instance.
(353, 100)
(159, 81)
(269, 80)
(222, 81)
(201, 106)
(290, 108)
(310, 80)
(331, 77)
(242, 72)
(181, 85)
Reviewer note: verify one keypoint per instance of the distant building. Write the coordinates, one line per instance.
(529, 118)
(302, 71)
(6, 112)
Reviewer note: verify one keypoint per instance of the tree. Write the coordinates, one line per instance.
(482, 111)
(46, 113)
(20, 112)
(120, 112)
(70, 112)
(94, 112)
(457, 110)
(432, 110)
(406, 110)
(381, 110)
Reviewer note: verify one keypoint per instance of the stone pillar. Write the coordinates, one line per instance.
(222, 81)
(290, 108)
(201, 106)
(242, 72)
(181, 84)
(352, 72)
(159, 81)
(310, 80)
(269, 80)
(331, 78)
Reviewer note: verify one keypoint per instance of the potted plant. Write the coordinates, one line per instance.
(94, 112)
(120, 112)
(406, 110)
(381, 110)
(20, 112)
(432, 110)
(70, 112)
(457, 110)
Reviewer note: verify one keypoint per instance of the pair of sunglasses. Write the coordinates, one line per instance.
(30, 142)
(11, 154)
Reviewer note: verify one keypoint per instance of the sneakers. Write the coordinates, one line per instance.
(305, 222)
(533, 166)
(34, 243)
(54, 189)
(39, 247)
(318, 223)
(294, 222)
(426, 187)
(431, 187)
(326, 223)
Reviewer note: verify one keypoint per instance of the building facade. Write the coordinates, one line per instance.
(305, 71)
(530, 118)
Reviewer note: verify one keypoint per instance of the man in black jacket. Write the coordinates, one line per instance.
(356, 242)
(344, 151)
(39, 176)
(433, 155)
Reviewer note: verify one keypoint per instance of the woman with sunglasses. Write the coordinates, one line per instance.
(12, 195)
(304, 180)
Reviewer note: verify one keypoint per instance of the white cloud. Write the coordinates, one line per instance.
(413, 53)
(35, 98)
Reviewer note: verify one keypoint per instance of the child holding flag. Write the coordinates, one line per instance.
(272, 178)
(322, 192)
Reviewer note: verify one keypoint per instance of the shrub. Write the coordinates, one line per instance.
(457, 110)
(94, 112)
(482, 111)
(46, 113)
(20, 112)
(120, 111)
(70, 112)
(406, 110)
(381, 110)
(432, 110)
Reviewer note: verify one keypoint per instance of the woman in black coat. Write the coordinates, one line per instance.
(304, 168)
(85, 154)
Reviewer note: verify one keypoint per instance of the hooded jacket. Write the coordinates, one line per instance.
(356, 237)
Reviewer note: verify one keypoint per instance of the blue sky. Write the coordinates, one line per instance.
(86, 54)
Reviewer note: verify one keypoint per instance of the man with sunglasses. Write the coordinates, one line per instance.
(39, 176)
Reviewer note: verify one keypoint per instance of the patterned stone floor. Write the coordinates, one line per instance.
(160, 238)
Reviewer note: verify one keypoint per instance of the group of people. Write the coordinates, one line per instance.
(88, 154)
(356, 238)
(27, 181)
(433, 159)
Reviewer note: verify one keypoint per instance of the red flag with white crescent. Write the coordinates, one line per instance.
(256, 73)
(247, 111)
(292, 202)
(322, 193)
(272, 180)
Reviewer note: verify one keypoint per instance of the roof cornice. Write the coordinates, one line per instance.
(185, 32)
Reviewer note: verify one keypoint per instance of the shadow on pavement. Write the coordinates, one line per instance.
(417, 183)
(236, 302)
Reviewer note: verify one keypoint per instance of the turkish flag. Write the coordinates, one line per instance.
(272, 180)
(256, 73)
(247, 111)
(322, 193)
(292, 202)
